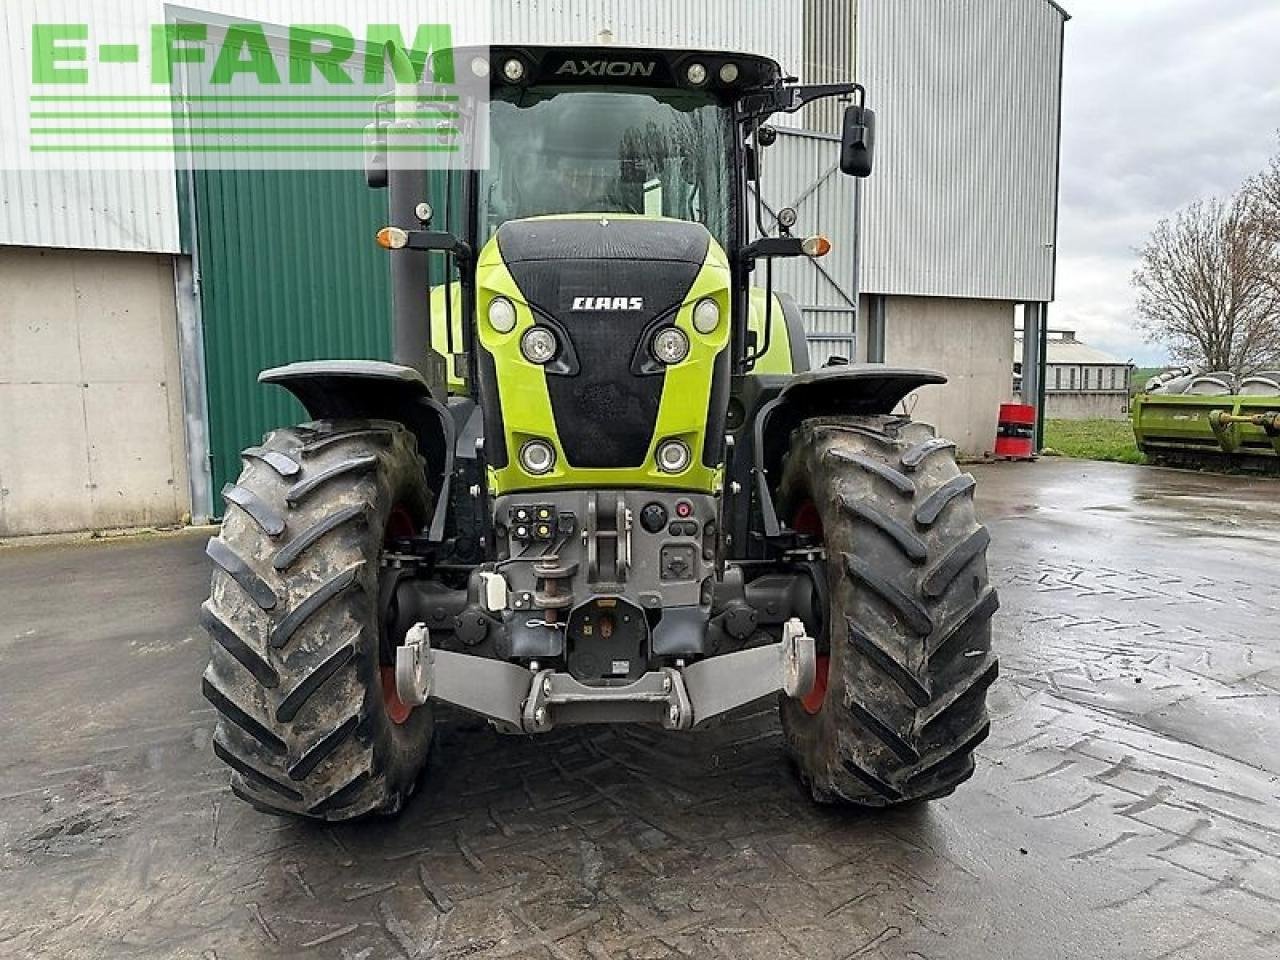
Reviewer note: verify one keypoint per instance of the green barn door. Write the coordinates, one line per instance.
(288, 270)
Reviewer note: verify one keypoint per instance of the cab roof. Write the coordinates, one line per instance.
(727, 74)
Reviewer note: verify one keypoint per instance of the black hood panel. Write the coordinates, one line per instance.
(605, 285)
(602, 238)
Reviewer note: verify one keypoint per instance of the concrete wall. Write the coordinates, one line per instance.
(91, 425)
(1066, 405)
(969, 340)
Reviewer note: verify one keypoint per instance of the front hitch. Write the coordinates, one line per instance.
(677, 698)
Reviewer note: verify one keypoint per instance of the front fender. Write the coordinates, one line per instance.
(855, 390)
(375, 390)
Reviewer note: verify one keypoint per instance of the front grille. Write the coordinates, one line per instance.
(605, 414)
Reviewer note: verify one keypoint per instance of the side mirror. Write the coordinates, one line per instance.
(375, 156)
(858, 143)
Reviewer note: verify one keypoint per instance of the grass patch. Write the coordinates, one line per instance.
(1110, 440)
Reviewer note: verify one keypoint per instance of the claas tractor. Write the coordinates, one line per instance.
(600, 483)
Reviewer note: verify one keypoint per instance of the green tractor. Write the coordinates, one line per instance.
(600, 483)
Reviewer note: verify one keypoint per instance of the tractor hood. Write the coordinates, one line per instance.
(604, 286)
(603, 237)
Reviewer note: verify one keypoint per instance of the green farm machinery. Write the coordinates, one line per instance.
(1213, 420)
(600, 483)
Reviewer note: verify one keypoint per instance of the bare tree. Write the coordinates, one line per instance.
(1206, 286)
(1263, 194)
(1264, 191)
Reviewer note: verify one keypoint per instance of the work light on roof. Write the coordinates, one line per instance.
(513, 70)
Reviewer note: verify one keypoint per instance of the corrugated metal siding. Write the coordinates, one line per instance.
(828, 56)
(99, 210)
(131, 210)
(801, 170)
(288, 272)
(963, 200)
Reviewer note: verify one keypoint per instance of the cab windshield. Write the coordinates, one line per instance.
(568, 150)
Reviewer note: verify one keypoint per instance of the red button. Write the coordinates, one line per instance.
(684, 509)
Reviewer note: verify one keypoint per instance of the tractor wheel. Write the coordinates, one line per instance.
(904, 652)
(300, 674)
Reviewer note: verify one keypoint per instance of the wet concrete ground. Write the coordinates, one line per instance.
(1126, 805)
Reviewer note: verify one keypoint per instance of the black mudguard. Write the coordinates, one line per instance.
(865, 389)
(374, 390)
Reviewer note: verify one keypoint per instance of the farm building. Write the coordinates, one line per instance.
(136, 306)
(1081, 382)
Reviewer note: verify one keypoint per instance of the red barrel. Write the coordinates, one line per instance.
(1016, 431)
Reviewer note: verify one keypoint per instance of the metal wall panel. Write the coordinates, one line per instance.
(828, 56)
(802, 171)
(275, 289)
(94, 210)
(964, 198)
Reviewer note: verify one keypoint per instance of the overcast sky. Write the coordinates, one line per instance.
(1165, 101)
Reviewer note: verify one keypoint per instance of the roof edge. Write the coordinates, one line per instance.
(1060, 8)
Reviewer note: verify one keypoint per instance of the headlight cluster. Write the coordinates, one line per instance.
(502, 314)
(539, 345)
(673, 456)
(670, 345)
(706, 316)
(537, 457)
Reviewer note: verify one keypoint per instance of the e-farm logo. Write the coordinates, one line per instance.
(222, 91)
(311, 53)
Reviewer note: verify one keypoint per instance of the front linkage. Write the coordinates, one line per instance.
(678, 698)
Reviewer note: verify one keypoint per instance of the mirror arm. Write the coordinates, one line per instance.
(780, 99)
(440, 241)
(770, 247)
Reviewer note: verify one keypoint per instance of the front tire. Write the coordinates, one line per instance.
(905, 659)
(297, 662)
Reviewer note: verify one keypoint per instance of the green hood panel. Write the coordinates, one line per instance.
(582, 278)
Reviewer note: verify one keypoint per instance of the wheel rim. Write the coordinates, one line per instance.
(808, 521)
(399, 526)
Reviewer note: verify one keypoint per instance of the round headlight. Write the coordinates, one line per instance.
(706, 316)
(502, 314)
(670, 345)
(697, 74)
(729, 73)
(673, 456)
(539, 345)
(480, 67)
(537, 457)
(513, 69)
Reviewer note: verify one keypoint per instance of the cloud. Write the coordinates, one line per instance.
(1165, 102)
